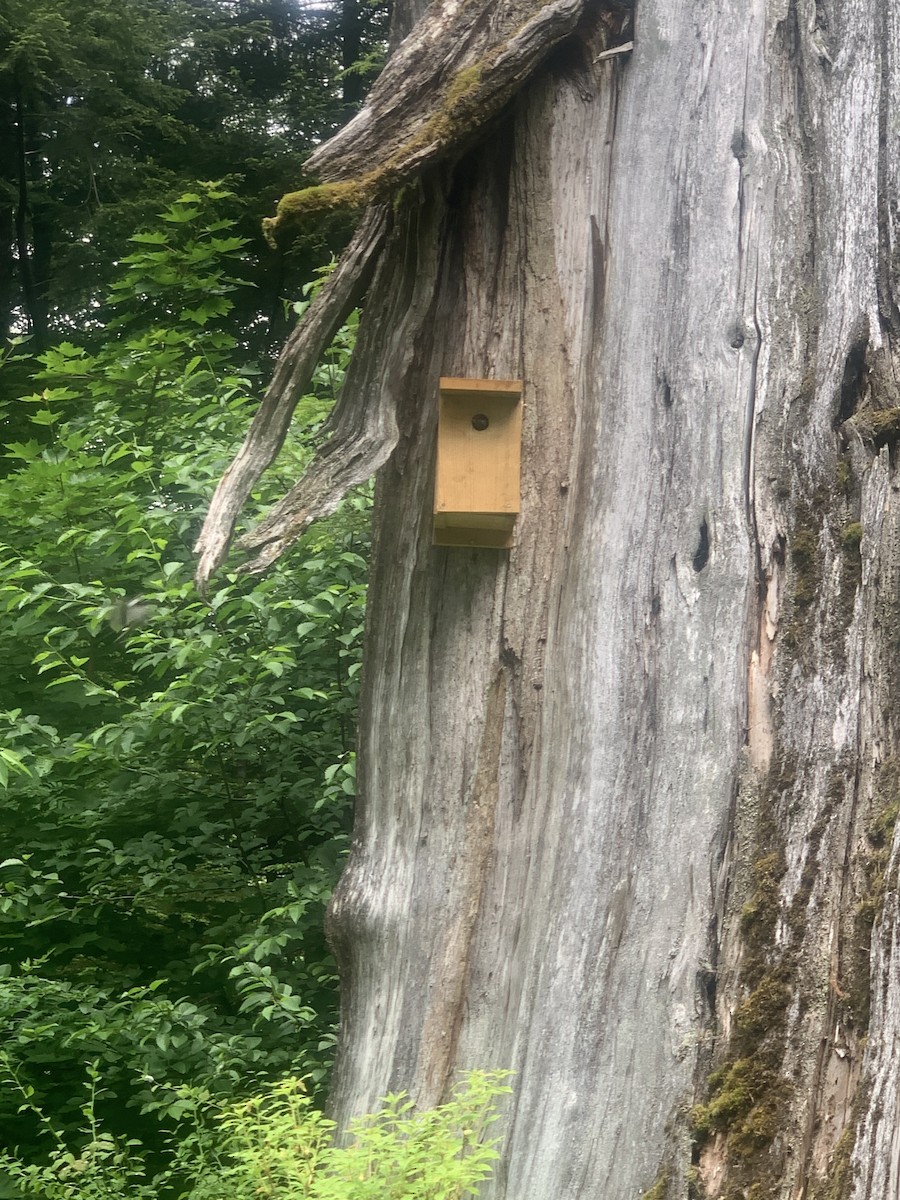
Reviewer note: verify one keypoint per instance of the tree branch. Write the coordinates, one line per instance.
(463, 61)
(498, 41)
(362, 431)
(293, 371)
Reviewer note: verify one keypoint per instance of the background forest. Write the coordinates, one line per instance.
(176, 775)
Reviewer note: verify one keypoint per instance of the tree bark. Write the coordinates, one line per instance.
(628, 792)
(33, 288)
(353, 86)
(463, 56)
(338, 467)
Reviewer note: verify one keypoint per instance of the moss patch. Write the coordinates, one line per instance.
(843, 477)
(851, 537)
(747, 1092)
(840, 1173)
(295, 207)
(759, 914)
(805, 557)
(660, 1189)
(735, 1087)
(460, 111)
(806, 553)
(825, 536)
(879, 836)
(885, 425)
(465, 106)
(762, 1009)
(464, 84)
(878, 425)
(695, 1190)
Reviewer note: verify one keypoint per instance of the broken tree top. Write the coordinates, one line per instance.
(461, 63)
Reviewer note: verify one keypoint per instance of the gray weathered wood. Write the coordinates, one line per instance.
(338, 296)
(627, 793)
(461, 62)
(572, 757)
(401, 127)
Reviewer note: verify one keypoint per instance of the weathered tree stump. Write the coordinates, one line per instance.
(628, 792)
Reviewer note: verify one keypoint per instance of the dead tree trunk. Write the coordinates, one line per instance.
(628, 792)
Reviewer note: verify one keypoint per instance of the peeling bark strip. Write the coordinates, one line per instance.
(362, 430)
(293, 371)
(463, 61)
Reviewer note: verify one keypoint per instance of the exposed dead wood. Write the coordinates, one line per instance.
(330, 308)
(625, 48)
(500, 42)
(676, 251)
(661, 885)
(460, 65)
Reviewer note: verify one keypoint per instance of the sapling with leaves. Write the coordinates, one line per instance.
(275, 1145)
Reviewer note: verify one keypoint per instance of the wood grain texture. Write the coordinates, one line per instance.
(335, 301)
(628, 793)
(683, 674)
(478, 462)
(460, 62)
(458, 66)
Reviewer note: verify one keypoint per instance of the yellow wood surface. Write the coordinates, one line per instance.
(511, 388)
(477, 479)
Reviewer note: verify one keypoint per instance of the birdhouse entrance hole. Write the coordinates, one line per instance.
(477, 479)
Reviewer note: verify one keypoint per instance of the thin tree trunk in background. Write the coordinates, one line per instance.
(33, 301)
(7, 271)
(353, 86)
(43, 229)
(628, 792)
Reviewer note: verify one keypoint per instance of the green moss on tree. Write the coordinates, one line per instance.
(851, 537)
(878, 425)
(879, 838)
(844, 477)
(461, 111)
(295, 207)
(457, 116)
(761, 910)
(837, 1186)
(745, 1101)
(746, 1093)
(805, 554)
(762, 1009)
(660, 1188)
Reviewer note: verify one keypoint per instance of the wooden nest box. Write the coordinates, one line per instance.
(479, 444)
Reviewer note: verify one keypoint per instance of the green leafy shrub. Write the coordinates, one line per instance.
(177, 774)
(97, 1167)
(277, 1144)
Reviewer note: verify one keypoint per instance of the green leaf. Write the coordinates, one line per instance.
(150, 237)
(45, 416)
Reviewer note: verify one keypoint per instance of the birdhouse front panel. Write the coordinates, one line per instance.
(477, 480)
